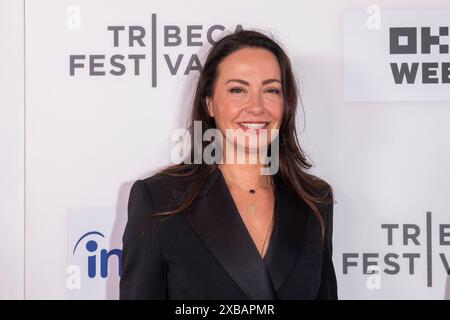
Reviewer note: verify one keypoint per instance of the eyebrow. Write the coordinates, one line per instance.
(267, 81)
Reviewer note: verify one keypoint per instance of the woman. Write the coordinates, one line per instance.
(224, 230)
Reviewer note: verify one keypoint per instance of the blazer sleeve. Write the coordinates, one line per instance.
(328, 286)
(143, 273)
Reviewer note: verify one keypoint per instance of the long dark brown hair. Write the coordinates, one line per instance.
(292, 160)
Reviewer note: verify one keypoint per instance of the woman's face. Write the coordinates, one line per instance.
(247, 94)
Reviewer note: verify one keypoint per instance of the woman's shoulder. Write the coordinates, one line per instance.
(322, 189)
(165, 180)
(160, 185)
(163, 188)
(324, 197)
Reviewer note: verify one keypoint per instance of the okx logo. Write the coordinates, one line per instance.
(414, 44)
(93, 260)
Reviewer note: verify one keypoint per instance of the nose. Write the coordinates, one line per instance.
(255, 104)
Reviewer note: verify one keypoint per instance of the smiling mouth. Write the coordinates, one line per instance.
(256, 126)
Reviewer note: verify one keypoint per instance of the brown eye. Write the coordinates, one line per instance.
(236, 90)
(275, 91)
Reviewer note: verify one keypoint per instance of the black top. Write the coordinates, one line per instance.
(206, 252)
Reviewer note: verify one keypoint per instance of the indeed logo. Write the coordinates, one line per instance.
(95, 259)
(134, 45)
(413, 42)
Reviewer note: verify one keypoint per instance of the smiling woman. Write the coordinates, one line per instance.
(232, 230)
(254, 101)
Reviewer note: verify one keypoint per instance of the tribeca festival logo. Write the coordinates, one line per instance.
(134, 37)
(420, 44)
(95, 260)
(410, 236)
(144, 40)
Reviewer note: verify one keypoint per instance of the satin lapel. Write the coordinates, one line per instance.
(219, 225)
(288, 234)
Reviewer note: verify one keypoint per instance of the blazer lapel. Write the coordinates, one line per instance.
(219, 225)
(288, 234)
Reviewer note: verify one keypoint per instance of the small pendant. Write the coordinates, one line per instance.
(251, 209)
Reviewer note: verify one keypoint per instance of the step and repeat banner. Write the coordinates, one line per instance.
(105, 83)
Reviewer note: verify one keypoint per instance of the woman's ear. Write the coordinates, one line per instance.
(209, 107)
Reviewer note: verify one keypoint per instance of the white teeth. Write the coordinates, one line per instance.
(254, 125)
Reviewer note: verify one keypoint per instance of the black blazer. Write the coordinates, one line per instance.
(206, 252)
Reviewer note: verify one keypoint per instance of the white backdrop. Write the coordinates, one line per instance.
(73, 144)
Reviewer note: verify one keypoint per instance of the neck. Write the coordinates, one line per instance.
(246, 175)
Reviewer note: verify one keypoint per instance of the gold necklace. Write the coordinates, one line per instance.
(267, 235)
(251, 207)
